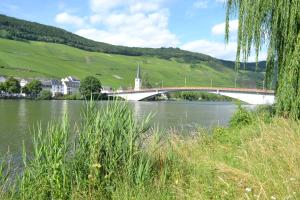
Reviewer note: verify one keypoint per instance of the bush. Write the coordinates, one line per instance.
(241, 117)
(266, 112)
(45, 95)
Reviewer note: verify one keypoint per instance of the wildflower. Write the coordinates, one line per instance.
(176, 182)
(248, 189)
(292, 179)
(97, 165)
(273, 198)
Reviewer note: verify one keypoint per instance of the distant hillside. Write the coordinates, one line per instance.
(32, 59)
(16, 29)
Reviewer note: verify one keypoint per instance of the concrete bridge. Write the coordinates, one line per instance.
(250, 96)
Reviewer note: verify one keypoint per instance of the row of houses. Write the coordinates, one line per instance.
(64, 86)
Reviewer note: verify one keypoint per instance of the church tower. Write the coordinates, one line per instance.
(138, 80)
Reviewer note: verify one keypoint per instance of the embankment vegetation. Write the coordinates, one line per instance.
(198, 96)
(113, 156)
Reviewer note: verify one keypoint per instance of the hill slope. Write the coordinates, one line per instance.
(41, 59)
(16, 29)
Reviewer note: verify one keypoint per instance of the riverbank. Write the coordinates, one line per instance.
(197, 96)
(112, 158)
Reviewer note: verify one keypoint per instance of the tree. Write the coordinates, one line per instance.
(277, 25)
(90, 86)
(146, 81)
(2, 87)
(12, 86)
(45, 95)
(33, 88)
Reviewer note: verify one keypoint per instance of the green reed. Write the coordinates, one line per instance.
(107, 152)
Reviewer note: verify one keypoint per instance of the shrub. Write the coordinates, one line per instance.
(241, 117)
(45, 95)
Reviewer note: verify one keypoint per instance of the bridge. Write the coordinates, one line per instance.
(250, 96)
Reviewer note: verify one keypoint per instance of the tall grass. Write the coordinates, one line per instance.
(258, 161)
(113, 156)
(106, 159)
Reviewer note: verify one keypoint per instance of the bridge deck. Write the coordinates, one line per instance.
(206, 89)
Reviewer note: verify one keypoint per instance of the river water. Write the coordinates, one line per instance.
(17, 117)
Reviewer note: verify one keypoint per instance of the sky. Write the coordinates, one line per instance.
(194, 25)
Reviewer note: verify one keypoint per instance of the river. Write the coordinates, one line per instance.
(17, 117)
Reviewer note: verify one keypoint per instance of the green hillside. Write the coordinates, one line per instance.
(17, 29)
(48, 60)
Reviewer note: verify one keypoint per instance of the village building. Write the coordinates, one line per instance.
(65, 86)
(106, 89)
(56, 87)
(2, 79)
(46, 84)
(70, 85)
(23, 83)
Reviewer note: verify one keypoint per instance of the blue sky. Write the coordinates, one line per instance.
(195, 25)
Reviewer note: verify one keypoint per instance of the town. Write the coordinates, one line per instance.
(19, 87)
(57, 88)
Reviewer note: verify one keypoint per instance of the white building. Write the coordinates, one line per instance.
(65, 86)
(56, 87)
(106, 89)
(70, 85)
(23, 82)
(138, 80)
(2, 79)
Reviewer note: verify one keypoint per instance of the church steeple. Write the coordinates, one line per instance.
(138, 80)
(138, 72)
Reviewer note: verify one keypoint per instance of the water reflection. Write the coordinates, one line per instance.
(16, 117)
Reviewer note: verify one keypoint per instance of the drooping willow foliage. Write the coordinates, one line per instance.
(276, 24)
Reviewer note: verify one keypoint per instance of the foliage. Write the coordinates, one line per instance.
(90, 86)
(33, 88)
(105, 155)
(45, 95)
(276, 22)
(199, 96)
(12, 86)
(146, 81)
(2, 87)
(241, 117)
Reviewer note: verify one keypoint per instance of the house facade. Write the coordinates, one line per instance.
(70, 85)
(65, 86)
(2, 79)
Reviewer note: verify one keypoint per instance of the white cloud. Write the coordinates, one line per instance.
(219, 49)
(130, 23)
(221, 1)
(219, 29)
(100, 6)
(144, 7)
(215, 49)
(140, 30)
(199, 4)
(66, 18)
(94, 19)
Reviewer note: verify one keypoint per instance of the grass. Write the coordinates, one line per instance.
(115, 157)
(48, 60)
